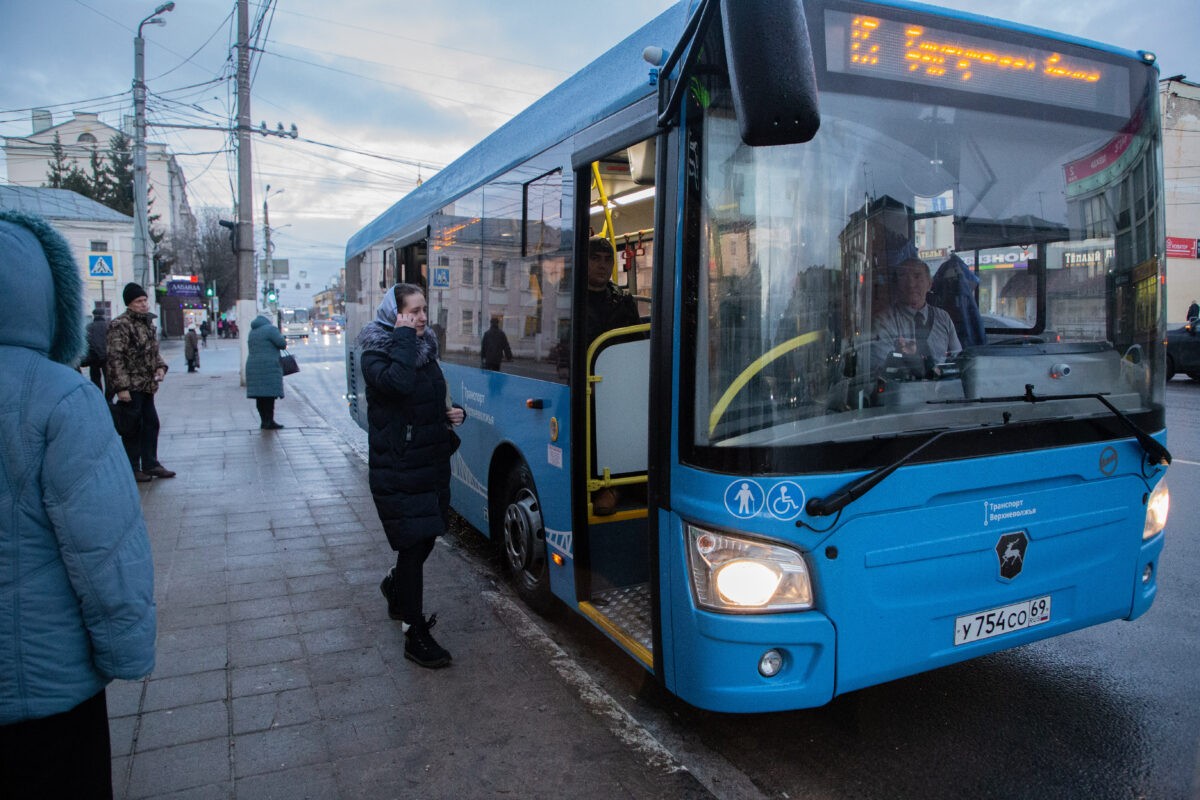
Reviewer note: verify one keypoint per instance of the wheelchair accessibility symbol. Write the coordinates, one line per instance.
(744, 498)
(785, 501)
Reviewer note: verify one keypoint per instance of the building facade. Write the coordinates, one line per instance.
(27, 160)
(1179, 101)
(95, 233)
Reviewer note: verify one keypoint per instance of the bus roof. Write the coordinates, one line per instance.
(608, 84)
(613, 81)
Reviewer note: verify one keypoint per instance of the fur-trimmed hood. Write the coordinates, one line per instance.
(40, 282)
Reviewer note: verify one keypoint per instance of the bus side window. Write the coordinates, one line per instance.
(388, 275)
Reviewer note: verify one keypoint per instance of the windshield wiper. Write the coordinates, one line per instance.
(1157, 452)
(824, 506)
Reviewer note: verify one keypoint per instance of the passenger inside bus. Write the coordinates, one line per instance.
(913, 339)
(608, 305)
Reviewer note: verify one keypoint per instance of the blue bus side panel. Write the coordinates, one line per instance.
(498, 417)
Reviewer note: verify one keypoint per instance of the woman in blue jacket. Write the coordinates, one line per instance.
(264, 375)
(76, 576)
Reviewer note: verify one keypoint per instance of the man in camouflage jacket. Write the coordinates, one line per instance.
(134, 370)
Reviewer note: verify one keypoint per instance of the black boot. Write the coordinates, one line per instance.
(420, 647)
(385, 586)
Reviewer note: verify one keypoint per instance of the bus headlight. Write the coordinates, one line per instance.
(730, 573)
(1156, 510)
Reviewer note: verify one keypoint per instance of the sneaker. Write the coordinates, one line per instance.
(419, 645)
(160, 472)
(385, 586)
(142, 477)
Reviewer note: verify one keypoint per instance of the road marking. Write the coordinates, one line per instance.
(1184, 461)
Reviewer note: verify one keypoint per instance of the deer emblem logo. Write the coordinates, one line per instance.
(1010, 551)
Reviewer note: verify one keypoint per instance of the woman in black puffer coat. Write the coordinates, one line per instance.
(410, 436)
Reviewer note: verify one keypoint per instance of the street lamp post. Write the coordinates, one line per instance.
(141, 214)
(268, 250)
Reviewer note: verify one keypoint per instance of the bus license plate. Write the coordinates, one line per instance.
(999, 621)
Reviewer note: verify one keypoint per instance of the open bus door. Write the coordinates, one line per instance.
(613, 553)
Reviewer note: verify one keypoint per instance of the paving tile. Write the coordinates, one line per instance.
(263, 628)
(312, 782)
(269, 678)
(183, 724)
(123, 698)
(192, 638)
(253, 652)
(258, 589)
(260, 712)
(345, 665)
(185, 690)
(171, 663)
(156, 773)
(348, 698)
(279, 749)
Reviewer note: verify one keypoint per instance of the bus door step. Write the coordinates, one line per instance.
(624, 613)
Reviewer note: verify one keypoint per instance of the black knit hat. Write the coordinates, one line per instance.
(132, 292)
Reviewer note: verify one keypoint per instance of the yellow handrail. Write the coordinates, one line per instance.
(756, 367)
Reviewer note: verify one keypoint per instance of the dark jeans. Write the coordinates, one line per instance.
(64, 755)
(142, 446)
(266, 409)
(408, 580)
(96, 373)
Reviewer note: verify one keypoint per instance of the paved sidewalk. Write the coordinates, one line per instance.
(279, 673)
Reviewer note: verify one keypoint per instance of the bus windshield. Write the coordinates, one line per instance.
(1028, 239)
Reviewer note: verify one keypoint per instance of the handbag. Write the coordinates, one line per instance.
(288, 362)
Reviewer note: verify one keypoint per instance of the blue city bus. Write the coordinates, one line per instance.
(761, 491)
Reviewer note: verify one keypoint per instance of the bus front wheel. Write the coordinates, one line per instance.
(525, 541)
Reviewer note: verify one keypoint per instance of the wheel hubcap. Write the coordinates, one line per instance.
(524, 538)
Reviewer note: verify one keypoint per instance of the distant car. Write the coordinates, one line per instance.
(1183, 351)
(327, 326)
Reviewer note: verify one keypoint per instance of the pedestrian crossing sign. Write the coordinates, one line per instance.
(100, 265)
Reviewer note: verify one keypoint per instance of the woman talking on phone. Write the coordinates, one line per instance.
(410, 437)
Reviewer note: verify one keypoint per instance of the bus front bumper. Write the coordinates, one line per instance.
(716, 660)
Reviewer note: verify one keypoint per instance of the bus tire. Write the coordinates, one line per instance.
(524, 541)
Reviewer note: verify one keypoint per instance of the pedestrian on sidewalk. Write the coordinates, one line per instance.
(97, 347)
(264, 375)
(205, 329)
(78, 587)
(135, 370)
(410, 441)
(191, 351)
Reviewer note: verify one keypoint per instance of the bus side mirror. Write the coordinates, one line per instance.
(771, 71)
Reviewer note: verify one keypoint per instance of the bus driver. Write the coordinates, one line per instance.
(911, 333)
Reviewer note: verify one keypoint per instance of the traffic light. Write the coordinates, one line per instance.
(208, 291)
(233, 233)
(271, 295)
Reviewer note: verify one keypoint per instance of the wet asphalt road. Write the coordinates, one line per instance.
(1108, 712)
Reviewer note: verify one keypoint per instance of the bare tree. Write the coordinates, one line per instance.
(217, 261)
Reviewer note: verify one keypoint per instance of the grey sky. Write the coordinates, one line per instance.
(419, 82)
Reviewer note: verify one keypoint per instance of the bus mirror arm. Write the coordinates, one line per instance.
(824, 506)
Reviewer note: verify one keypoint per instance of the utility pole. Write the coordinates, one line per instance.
(246, 302)
(141, 190)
